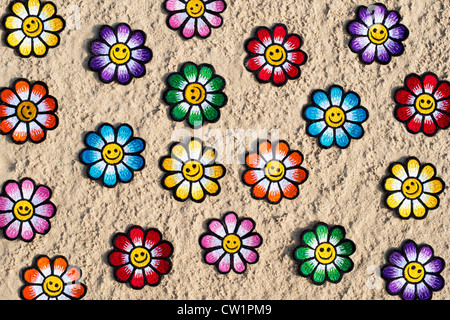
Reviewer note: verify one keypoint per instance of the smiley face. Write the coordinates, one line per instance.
(425, 104)
(275, 170)
(276, 55)
(193, 170)
(414, 272)
(53, 286)
(325, 253)
(23, 210)
(412, 188)
(378, 34)
(335, 117)
(140, 257)
(112, 153)
(27, 111)
(32, 26)
(195, 8)
(231, 243)
(120, 53)
(195, 93)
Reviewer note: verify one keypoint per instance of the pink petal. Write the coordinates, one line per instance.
(252, 241)
(6, 204)
(175, 5)
(27, 188)
(39, 224)
(189, 28)
(210, 241)
(230, 222)
(216, 6)
(213, 256)
(176, 20)
(42, 194)
(27, 232)
(238, 265)
(216, 227)
(45, 210)
(202, 28)
(245, 227)
(13, 230)
(249, 255)
(214, 20)
(6, 218)
(13, 191)
(224, 264)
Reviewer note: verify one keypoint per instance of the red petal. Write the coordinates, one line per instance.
(414, 84)
(291, 70)
(162, 266)
(416, 123)
(123, 243)
(442, 119)
(443, 91)
(429, 83)
(152, 238)
(254, 46)
(444, 105)
(152, 276)
(404, 113)
(296, 57)
(137, 280)
(124, 273)
(163, 250)
(404, 97)
(256, 62)
(264, 36)
(292, 43)
(118, 258)
(279, 33)
(265, 73)
(279, 76)
(429, 127)
(137, 236)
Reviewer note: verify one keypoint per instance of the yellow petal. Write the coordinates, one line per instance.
(47, 11)
(393, 184)
(405, 209)
(429, 200)
(394, 200)
(210, 186)
(208, 156)
(183, 190)
(427, 173)
(54, 25)
(215, 172)
(25, 47)
(13, 23)
(413, 168)
(15, 38)
(38, 47)
(399, 171)
(197, 192)
(50, 39)
(173, 180)
(433, 186)
(418, 209)
(19, 9)
(180, 152)
(195, 149)
(33, 7)
(171, 164)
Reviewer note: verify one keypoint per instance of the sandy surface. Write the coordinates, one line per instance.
(343, 187)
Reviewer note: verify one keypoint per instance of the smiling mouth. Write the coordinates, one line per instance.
(140, 261)
(192, 175)
(231, 248)
(192, 12)
(53, 291)
(126, 57)
(325, 258)
(282, 57)
(420, 104)
(276, 176)
(379, 39)
(113, 158)
(412, 276)
(411, 193)
(23, 214)
(335, 122)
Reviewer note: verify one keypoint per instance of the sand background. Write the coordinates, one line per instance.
(343, 186)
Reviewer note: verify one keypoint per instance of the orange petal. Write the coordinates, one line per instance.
(29, 293)
(9, 97)
(38, 92)
(274, 195)
(72, 274)
(290, 190)
(60, 265)
(23, 89)
(294, 159)
(282, 150)
(19, 135)
(265, 149)
(43, 264)
(77, 290)
(31, 275)
(260, 190)
(48, 104)
(251, 177)
(254, 161)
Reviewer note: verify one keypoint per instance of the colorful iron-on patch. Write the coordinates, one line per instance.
(230, 243)
(335, 117)
(113, 155)
(27, 111)
(140, 257)
(423, 104)
(195, 94)
(412, 188)
(324, 254)
(119, 54)
(377, 34)
(52, 280)
(32, 27)
(194, 17)
(413, 272)
(273, 172)
(274, 55)
(25, 209)
(191, 171)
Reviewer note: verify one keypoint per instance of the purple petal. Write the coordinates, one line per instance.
(366, 17)
(425, 254)
(123, 33)
(410, 292)
(123, 75)
(434, 281)
(382, 54)
(396, 285)
(369, 54)
(99, 48)
(359, 43)
(99, 62)
(108, 73)
(379, 12)
(397, 259)
(434, 266)
(393, 47)
(423, 292)
(391, 20)
(136, 40)
(410, 250)
(143, 54)
(359, 29)
(399, 33)
(108, 35)
(392, 272)
(136, 68)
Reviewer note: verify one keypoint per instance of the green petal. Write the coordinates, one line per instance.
(310, 239)
(210, 112)
(217, 99)
(216, 84)
(205, 75)
(319, 274)
(346, 248)
(304, 253)
(180, 111)
(191, 72)
(343, 263)
(333, 273)
(337, 234)
(308, 266)
(322, 233)
(195, 117)
(176, 81)
(174, 96)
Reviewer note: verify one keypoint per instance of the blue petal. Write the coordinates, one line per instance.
(124, 134)
(354, 130)
(316, 128)
(125, 175)
(110, 177)
(357, 115)
(136, 145)
(134, 162)
(351, 100)
(342, 139)
(97, 170)
(93, 140)
(90, 156)
(314, 113)
(336, 96)
(107, 133)
(321, 99)
(327, 138)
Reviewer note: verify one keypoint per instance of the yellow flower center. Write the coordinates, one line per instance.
(32, 26)
(27, 111)
(193, 170)
(325, 253)
(23, 210)
(195, 93)
(112, 153)
(276, 55)
(425, 104)
(275, 170)
(120, 53)
(231, 243)
(140, 257)
(414, 272)
(378, 34)
(335, 117)
(412, 188)
(53, 286)
(195, 8)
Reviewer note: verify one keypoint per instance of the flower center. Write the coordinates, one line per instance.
(193, 170)
(276, 55)
(378, 34)
(231, 243)
(112, 153)
(23, 210)
(120, 53)
(195, 8)
(32, 26)
(275, 170)
(140, 257)
(414, 272)
(195, 93)
(53, 286)
(27, 111)
(335, 117)
(425, 104)
(412, 188)
(325, 253)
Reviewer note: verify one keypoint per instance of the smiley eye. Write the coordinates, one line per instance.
(375, 30)
(277, 51)
(412, 183)
(115, 150)
(50, 283)
(26, 208)
(278, 170)
(428, 101)
(321, 249)
(194, 166)
(419, 271)
(20, 208)
(339, 114)
(332, 114)
(108, 152)
(271, 53)
(381, 32)
(407, 188)
(192, 90)
(413, 267)
(117, 49)
(423, 101)
(142, 253)
(329, 249)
